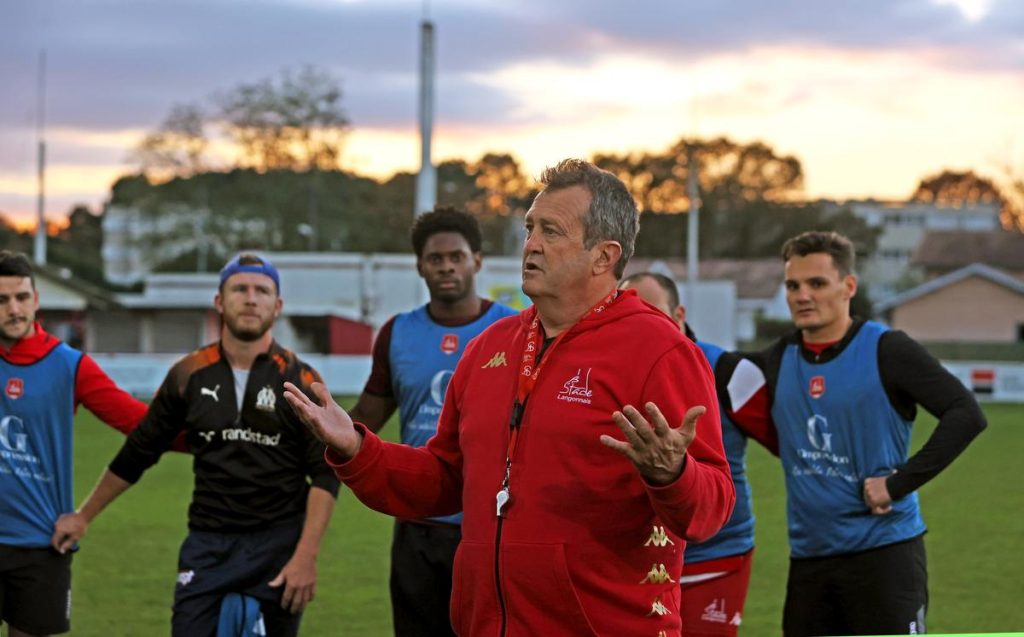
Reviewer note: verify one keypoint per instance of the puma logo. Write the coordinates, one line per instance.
(207, 435)
(212, 393)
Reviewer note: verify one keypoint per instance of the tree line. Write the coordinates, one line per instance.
(257, 167)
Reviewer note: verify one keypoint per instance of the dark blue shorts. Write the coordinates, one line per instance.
(211, 565)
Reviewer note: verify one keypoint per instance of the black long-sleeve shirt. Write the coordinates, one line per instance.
(251, 466)
(910, 376)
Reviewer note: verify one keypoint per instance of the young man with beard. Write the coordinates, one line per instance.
(43, 382)
(838, 397)
(716, 573)
(414, 357)
(255, 524)
(578, 497)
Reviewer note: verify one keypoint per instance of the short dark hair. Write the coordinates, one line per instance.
(666, 284)
(16, 264)
(820, 242)
(445, 219)
(612, 214)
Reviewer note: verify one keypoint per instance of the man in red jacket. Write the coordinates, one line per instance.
(554, 440)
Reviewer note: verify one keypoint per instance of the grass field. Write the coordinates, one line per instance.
(124, 575)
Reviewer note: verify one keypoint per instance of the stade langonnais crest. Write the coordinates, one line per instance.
(817, 387)
(15, 388)
(450, 343)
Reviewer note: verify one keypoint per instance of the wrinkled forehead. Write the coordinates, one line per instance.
(566, 206)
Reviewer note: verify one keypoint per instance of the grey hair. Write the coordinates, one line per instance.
(612, 214)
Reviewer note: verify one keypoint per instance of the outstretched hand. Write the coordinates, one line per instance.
(658, 451)
(328, 422)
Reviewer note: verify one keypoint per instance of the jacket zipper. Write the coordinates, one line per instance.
(503, 499)
(497, 578)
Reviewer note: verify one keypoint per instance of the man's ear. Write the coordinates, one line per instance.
(679, 314)
(850, 283)
(608, 255)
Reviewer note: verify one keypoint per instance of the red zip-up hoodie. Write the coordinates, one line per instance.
(585, 545)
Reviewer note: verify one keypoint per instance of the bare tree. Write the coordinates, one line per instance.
(292, 122)
(177, 147)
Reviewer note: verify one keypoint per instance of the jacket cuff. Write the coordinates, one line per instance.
(673, 493)
(366, 457)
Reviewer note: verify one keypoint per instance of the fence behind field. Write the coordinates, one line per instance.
(141, 374)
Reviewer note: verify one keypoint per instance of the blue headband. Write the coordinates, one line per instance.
(265, 268)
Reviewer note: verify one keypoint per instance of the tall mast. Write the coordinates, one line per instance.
(39, 246)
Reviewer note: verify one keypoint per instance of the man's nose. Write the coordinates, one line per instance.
(530, 243)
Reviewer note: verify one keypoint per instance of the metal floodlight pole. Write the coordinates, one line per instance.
(39, 244)
(426, 181)
(693, 223)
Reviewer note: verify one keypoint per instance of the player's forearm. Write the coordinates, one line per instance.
(910, 373)
(109, 487)
(319, 506)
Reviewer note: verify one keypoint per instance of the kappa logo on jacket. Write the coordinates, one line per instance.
(573, 392)
(657, 575)
(658, 537)
(498, 360)
(657, 608)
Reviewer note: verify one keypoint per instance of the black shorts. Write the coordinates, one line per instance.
(882, 591)
(35, 589)
(422, 555)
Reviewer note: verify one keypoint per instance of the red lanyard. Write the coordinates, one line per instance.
(529, 369)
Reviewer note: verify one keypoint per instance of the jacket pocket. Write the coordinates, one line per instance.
(474, 603)
(540, 597)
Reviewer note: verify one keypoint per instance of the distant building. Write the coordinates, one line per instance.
(333, 303)
(903, 226)
(135, 243)
(65, 304)
(943, 251)
(974, 304)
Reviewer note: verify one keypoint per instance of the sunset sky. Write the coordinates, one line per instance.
(870, 95)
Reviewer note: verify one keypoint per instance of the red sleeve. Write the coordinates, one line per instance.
(379, 383)
(701, 500)
(100, 395)
(411, 482)
(746, 400)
